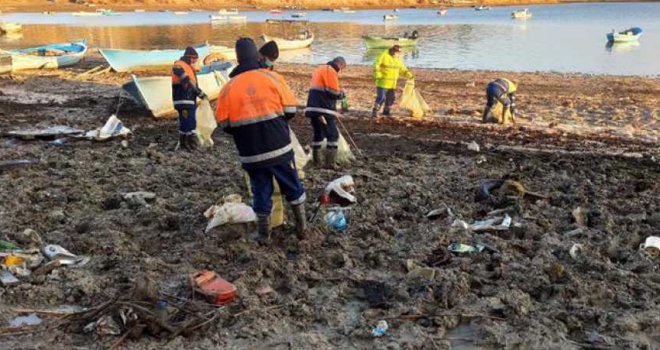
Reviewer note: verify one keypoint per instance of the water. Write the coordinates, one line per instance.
(561, 38)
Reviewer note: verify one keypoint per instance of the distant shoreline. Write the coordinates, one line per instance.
(11, 6)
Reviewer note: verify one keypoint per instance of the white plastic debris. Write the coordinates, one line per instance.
(380, 329)
(113, 127)
(233, 211)
(343, 187)
(460, 223)
(575, 250)
(473, 146)
(490, 224)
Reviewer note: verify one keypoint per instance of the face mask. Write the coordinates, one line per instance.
(266, 63)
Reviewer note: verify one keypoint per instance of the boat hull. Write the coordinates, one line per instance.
(284, 44)
(374, 42)
(23, 59)
(624, 38)
(132, 60)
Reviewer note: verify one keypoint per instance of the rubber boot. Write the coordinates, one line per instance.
(263, 229)
(182, 142)
(192, 142)
(316, 155)
(331, 158)
(376, 109)
(301, 220)
(386, 111)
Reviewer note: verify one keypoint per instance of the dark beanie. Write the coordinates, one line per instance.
(270, 50)
(191, 52)
(246, 51)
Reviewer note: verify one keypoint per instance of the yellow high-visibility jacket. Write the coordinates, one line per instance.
(387, 69)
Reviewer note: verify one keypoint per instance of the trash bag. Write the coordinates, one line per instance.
(206, 123)
(413, 101)
(344, 154)
(495, 114)
(301, 157)
(233, 211)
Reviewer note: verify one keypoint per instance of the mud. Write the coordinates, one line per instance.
(572, 144)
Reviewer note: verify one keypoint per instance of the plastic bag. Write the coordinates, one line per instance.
(344, 154)
(301, 157)
(206, 123)
(413, 101)
(233, 211)
(496, 114)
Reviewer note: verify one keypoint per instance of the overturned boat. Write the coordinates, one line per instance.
(155, 93)
(48, 56)
(131, 60)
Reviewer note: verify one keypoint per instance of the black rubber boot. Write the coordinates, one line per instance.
(263, 229)
(331, 158)
(192, 142)
(316, 156)
(183, 141)
(301, 220)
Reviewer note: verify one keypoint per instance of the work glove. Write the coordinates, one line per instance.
(203, 96)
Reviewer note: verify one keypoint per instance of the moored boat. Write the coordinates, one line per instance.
(442, 12)
(218, 18)
(521, 14)
(482, 8)
(305, 40)
(228, 12)
(298, 15)
(132, 60)
(180, 13)
(626, 36)
(48, 56)
(379, 42)
(276, 11)
(390, 17)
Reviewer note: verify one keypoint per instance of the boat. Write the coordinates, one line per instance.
(85, 14)
(395, 10)
(521, 14)
(10, 27)
(390, 17)
(218, 18)
(626, 36)
(219, 52)
(442, 12)
(482, 8)
(298, 15)
(346, 10)
(110, 13)
(276, 12)
(48, 56)
(237, 18)
(378, 42)
(228, 12)
(290, 44)
(132, 60)
(155, 93)
(49, 12)
(140, 10)
(180, 13)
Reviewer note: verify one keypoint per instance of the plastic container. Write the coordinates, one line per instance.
(336, 220)
(344, 104)
(217, 290)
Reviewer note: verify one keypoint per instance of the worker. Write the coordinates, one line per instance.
(322, 110)
(387, 68)
(185, 92)
(500, 90)
(268, 54)
(254, 107)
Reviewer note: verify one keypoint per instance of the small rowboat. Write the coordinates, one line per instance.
(390, 17)
(378, 42)
(86, 14)
(626, 36)
(48, 56)
(482, 8)
(131, 60)
(521, 14)
(286, 44)
(442, 12)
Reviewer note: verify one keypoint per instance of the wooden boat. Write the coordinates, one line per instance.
(378, 42)
(48, 56)
(155, 93)
(228, 12)
(180, 13)
(286, 44)
(442, 12)
(390, 17)
(626, 36)
(131, 60)
(10, 27)
(482, 8)
(237, 19)
(521, 14)
(85, 14)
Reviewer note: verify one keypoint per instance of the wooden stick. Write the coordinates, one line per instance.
(90, 71)
(121, 340)
(348, 134)
(44, 312)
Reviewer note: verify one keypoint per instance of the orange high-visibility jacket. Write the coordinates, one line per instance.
(184, 85)
(252, 107)
(324, 91)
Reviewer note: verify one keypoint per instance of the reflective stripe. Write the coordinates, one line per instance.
(290, 109)
(243, 122)
(317, 143)
(184, 102)
(336, 143)
(321, 110)
(268, 155)
(300, 200)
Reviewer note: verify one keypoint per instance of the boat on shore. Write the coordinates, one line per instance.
(626, 36)
(217, 19)
(10, 27)
(442, 12)
(155, 93)
(482, 8)
(304, 40)
(48, 56)
(521, 14)
(379, 42)
(228, 12)
(390, 17)
(132, 60)
(86, 14)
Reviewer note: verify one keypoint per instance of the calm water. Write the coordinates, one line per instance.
(562, 38)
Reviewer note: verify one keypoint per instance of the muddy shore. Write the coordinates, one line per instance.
(582, 141)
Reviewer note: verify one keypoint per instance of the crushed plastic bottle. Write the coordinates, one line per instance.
(336, 220)
(344, 104)
(380, 329)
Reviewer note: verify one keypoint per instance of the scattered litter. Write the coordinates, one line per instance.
(13, 260)
(459, 248)
(57, 253)
(51, 132)
(140, 198)
(105, 325)
(6, 245)
(341, 191)
(336, 220)
(113, 127)
(460, 223)
(507, 187)
(489, 224)
(575, 250)
(651, 246)
(580, 216)
(7, 279)
(216, 289)
(473, 146)
(11, 164)
(233, 211)
(29, 320)
(441, 213)
(380, 329)
(58, 142)
(124, 143)
(263, 290)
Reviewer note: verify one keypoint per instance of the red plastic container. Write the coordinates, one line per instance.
(217, 290)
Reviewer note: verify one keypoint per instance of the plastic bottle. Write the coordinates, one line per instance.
(336, 220)
(344, 104)
(380, 329)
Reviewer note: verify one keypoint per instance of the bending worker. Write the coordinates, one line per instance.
(500, 90)
(185, 92)
(254, 108)
(322, 110)
(387, 68)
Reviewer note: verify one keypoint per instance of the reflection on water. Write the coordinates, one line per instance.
(622, 48)
(564, 38)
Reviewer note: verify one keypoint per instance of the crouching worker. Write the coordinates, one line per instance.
(322, 110)
(254, 107)
(503, 91)
(185, 92)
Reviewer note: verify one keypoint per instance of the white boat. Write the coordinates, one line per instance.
(390, 17)
(626, 36)
(139, 10)
(219, 18)
(49, 56)
(298, 15)
(482, 8)
(346, 10)
(228, 12)
(86, 14)
(133, 60)
(180, 13)
(276, 12)
(521, 14)
(156, 92)
(10, 27)
(237, 19)
(219, 52)
(442, 12)
(290, 44)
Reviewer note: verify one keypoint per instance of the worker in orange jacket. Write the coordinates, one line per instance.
(322, 110)
(185, 91)
(254, 107)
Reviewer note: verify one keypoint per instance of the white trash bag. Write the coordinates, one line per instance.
(233, 211)
(206, 123)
